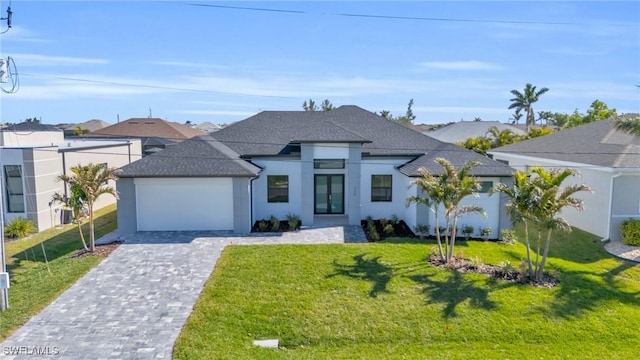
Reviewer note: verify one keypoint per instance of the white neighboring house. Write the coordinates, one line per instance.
(334, 167)
(34, 155)
(608, 161)
(463, 130)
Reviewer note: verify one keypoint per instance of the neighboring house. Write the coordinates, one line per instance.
(608, 161)
(331, 167)
(209, 127)
(86, 127)
(463, 130)
(154, 133)
(34, 155)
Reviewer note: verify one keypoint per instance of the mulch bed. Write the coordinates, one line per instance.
(101, 250)
(498, 272)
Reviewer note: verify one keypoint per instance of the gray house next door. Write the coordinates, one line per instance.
(329, 194)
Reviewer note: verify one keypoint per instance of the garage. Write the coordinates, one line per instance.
(177, 204)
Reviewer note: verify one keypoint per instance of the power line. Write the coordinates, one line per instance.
(415, 18)
(154, 86)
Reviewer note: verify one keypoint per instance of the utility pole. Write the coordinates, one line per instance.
(5, 76)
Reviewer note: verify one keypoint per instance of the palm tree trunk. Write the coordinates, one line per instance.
(453, 233)
(540, 271)
(92, 235)
(438, 237)
(526, 239)
(84, 243)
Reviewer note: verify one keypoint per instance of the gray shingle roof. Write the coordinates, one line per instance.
(269, 133)
(597, 143)
(201, 156)
(458, 157)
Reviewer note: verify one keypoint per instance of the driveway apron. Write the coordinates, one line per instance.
(135, 302)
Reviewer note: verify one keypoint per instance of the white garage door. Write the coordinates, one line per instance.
(184, 204)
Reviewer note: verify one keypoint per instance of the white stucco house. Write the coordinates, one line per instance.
(608, 161)
(32, 156)
(333, 167)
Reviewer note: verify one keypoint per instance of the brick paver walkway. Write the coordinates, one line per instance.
(134, 303)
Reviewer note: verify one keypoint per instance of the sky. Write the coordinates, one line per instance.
(224, 61)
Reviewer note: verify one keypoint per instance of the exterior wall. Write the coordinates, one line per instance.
(399, 193)
(114, 156)
(127, 223)
(353, 191)
(31, 138)
(42, 168)
(11, 157)
(241, 206)
(625, 202)
(595, 217)
(262, 209)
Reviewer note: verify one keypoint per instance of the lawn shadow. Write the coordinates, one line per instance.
(584, 291)
(454, 291)
(372, 270)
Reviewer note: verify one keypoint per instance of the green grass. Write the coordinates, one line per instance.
(382, 300)
(34, 284)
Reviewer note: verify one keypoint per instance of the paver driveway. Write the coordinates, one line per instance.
(134, 303)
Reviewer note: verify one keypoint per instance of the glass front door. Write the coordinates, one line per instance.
(329, 194)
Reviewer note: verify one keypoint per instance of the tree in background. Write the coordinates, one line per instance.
(597, 111)
(406, 119)
(525, 100)
(629, 125)
(326, 105)
(515, 118)
(92, 180)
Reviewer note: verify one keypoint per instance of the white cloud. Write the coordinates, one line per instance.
(186, 64)
(20, 34)
(463, 109)
(47, 60)
(470, 65)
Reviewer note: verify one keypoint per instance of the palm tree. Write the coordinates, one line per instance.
(539, 200)
(447, 189)
(630, 126)
(553, 198)
(92, 179)
(524, 101)
(77, 202)
(501, 137)
(522, 197)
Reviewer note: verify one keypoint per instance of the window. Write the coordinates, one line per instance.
(328, 163)
(485, 186)
(15, 193)
(278, 188)
(380, 187)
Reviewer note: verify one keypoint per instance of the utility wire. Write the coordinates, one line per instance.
(154, 86)
(418, 18)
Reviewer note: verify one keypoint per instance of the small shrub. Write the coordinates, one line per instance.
(263, 225)
(485, 232)
(294, 221)
(422, 230)
(442, 230)
(275, 223)
(508, 236)
(388, 229)
(476, 262)
(394, 219)
(373, 233)
(630, 231)
(383, 222)
(467, 230)
(19, 227)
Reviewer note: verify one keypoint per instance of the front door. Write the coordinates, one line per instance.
(329, 194)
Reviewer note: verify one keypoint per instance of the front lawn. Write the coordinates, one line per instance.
(382, 300)
(34, 283)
